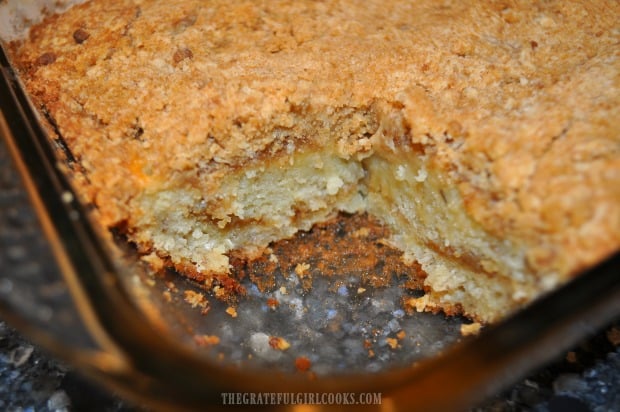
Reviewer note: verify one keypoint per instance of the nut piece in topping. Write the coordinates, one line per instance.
(45, 59)
(182, 54)
(80, 36)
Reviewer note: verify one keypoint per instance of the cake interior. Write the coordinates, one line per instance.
(272, 197)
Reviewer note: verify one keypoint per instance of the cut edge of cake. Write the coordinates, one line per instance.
(468, 270)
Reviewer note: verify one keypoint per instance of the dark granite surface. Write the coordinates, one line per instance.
(586, 378)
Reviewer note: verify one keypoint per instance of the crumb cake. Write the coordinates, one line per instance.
(484, 135)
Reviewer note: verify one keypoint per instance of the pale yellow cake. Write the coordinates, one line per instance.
(485, 135)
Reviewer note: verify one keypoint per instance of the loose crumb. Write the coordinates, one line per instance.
(231, 311)
(219, 292)
(278, 343)
(302, 364)
(272, 303)
(470, 329)
(171, 286)
(206, 340)
(301, 269)
(360, 290)
(416, 304)
(155, 262)
(571, 357)
(401, 335)
(196, 299)
(167, 295)
(392, 343)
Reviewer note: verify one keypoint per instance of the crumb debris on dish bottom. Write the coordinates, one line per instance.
(339, 316)
(484, 135)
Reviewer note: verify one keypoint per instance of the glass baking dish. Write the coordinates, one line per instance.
(90, 301)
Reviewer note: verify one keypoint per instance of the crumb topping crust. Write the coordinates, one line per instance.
(517, 104)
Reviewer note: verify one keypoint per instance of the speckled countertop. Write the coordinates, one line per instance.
(586, 378)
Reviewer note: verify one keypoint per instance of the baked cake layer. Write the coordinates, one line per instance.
(252, 207)
(486, 135)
